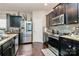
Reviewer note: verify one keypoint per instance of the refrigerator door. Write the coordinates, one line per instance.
(25, 34)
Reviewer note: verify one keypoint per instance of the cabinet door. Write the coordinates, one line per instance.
(62, 8)
(9, 48)
(0, 51)
(71, 13)
(13, 47)
(7, 52)
(78, 12)
(76, 47)
(16, 44)
(51, 15)
(6, 45)
(56, 11)
(47, 21)
(67, 47)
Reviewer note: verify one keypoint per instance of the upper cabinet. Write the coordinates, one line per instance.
(47, 21)
(78, 12)
(62, 9)
(56, 11)
(71, 13)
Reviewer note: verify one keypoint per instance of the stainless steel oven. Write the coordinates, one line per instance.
(53, 42)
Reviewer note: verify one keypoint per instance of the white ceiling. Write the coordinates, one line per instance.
(25, 7)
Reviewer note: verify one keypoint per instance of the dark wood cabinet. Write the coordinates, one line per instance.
(6, 45)
(62, 8)
(0, 51)
(71, 13)
(13, 47)
(51, 15)
(7, 51)
(47, 21)
(65, 47)
(8, 48)
(78, 12)
(56, 11)
(16, 44)
(68, 47)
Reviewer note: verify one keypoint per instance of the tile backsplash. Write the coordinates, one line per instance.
(65, 28)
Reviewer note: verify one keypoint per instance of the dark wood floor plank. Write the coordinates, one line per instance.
(33, 49)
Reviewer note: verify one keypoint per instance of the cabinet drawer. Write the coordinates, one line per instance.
(7, 44)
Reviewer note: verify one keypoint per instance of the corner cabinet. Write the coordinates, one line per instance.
(71, 13)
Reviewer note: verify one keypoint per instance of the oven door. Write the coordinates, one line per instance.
(53, 45)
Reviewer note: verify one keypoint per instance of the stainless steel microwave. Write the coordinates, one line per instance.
(58, 20)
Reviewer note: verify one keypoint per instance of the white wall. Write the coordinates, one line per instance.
(3, 21)
(29, 16)
(3, 18)
(39, 21)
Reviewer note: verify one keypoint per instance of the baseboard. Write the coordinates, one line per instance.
(25, 43)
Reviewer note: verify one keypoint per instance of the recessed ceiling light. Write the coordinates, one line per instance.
(45, 4)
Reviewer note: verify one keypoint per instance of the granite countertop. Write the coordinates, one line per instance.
(72, 37)
(49, 33)
(8, 37)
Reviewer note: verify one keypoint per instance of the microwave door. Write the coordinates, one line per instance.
(55, 21)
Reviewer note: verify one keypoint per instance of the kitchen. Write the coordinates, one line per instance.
(57, 24)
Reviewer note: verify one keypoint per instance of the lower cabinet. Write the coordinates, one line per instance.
(16, 44)
(13, 47)
(9, 48)
(7, 52)
(68, 47)
(0, 51)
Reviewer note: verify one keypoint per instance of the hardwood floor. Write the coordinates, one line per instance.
(33, 49)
